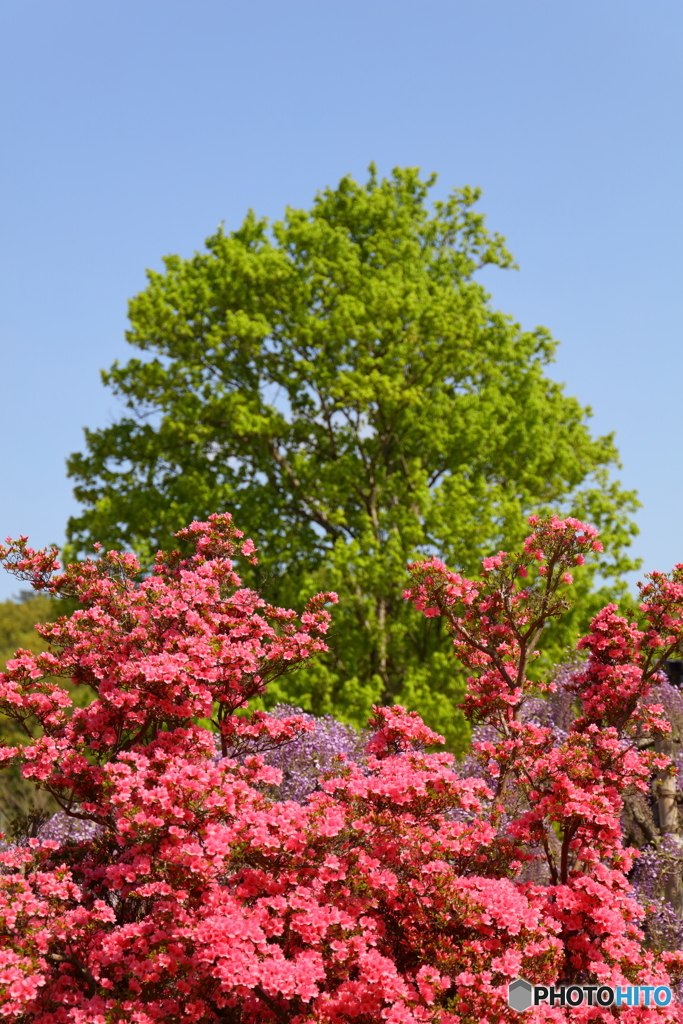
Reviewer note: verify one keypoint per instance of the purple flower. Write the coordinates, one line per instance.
(311, 755)
(61, 827)
(657, 871)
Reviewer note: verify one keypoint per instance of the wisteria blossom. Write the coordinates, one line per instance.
(304, 760)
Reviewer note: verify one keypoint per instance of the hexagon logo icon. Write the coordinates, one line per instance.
(520, 994)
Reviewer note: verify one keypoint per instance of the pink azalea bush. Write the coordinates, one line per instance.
(397, 891)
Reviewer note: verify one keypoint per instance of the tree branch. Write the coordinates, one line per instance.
(315, 514)
(81, 969)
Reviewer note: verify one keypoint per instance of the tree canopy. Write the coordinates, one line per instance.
(341, 383)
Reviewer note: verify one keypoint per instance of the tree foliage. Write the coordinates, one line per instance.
(341, 384)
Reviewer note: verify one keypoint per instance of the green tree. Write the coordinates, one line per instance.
(341, 384)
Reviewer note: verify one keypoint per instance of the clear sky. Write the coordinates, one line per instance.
(130, 128)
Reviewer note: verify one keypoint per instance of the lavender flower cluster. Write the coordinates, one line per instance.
(559, 710)
(671, 698)
(61, 827)
(655, 869)
(311, 755)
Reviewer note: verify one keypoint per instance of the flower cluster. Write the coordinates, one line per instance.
(559, 792)
(395, 890)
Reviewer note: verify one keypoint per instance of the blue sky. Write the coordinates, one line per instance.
(129, 130)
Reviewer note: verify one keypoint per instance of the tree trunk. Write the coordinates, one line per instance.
(665, 790)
